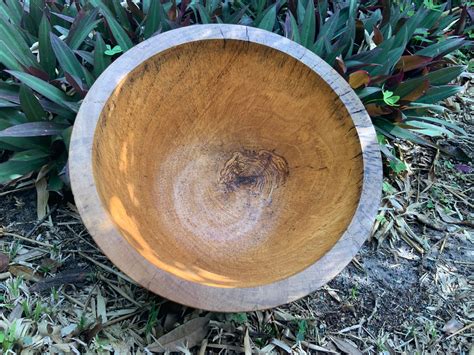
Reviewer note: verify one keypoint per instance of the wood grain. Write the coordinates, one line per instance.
(225, 167)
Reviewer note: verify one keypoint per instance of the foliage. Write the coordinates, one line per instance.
(51, 52)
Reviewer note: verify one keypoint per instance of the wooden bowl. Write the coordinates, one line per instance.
(225, 168)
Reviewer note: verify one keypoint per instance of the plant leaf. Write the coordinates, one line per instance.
(445, 75)
(30, 104)
(428, 129)
(66, 58)
(13, 169)
(269, 19)
(417, 92)
(359, 78)
(101, 60)
(33, 129)
(411, 62)
(45, 89)
(189, 334)
(154, 18)
(308, 26)
(7, 58)
(122, 38)
(438, 93)
(81, 28)
(442, 48)
(47, 58)
(11, 35)
(438, 121)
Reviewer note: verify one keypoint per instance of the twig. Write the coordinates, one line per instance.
(122, 318)
(107, 268)
(40, 222)
(17, 236)
(16, 190)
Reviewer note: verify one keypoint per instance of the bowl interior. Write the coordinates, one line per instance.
(227, 163)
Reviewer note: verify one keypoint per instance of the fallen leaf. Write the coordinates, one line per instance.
(429, 223)
(334, 295)
(49, 265)
(452, 326)
(16, 313)
(66, 277)
(282, 315)
(345, 346)
(444, 216)
(25, 272)
(4, 261)
(282, 345)
(247, 346)
(101, 310)
(42, 196)
(90, 333)
(463, 168)
(189, 334)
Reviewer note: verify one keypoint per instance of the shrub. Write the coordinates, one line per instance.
(393, 55)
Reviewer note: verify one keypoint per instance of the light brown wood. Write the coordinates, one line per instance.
(225, 167)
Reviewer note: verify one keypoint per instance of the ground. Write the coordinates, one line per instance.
(409, 289)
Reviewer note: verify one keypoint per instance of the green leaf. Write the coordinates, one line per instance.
(11, 35)
(388, 188)
(7, 104)
(269, 19)
(295, 32)
(438, 121)
(122, 38)
(203, 14)
(438, 93)
(308, 27)
(67, 59)
(367, 92)
(33, 129)
(445, 75)
(389, 98)
(101, 60)
(428, 129)
(47, 59)
(391, 130)
(66, 136)
(16, 10)
(12, 169)
(29, 155)
(397, 166)
(442, 48)
(7, 58)
(45, 89)
(121, 14)
(10, 12)
(112, 51)
(146, 5)
(81, 28)
(30, 104)
(154, 18)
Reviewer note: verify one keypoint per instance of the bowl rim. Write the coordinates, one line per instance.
(125, 256)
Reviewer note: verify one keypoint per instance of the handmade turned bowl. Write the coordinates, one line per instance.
(225, 168)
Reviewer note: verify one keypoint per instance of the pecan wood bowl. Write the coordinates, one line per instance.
(225, 168)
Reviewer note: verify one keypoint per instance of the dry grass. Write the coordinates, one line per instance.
(410, 289)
